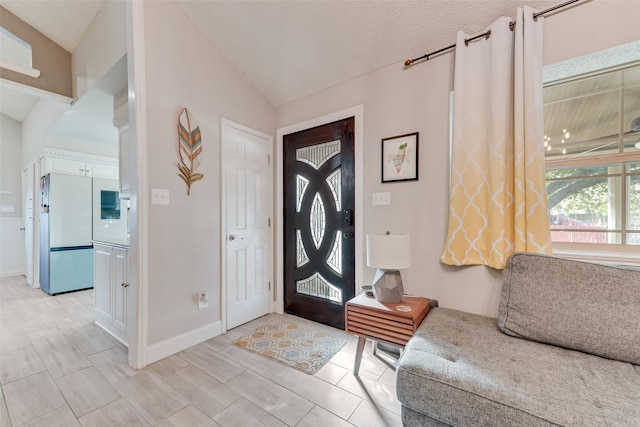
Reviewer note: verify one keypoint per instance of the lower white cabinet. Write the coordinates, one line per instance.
(111, 285)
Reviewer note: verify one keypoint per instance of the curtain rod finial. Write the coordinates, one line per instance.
(408, 62)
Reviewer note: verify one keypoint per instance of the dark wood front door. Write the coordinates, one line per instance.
(319, 240)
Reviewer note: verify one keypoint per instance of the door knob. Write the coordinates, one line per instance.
(232, 238)
(125, 285)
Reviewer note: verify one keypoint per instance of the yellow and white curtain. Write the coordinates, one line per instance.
(498, 201)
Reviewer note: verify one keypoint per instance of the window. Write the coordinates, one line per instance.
(14, 50)
(592, 138)
(16, 54)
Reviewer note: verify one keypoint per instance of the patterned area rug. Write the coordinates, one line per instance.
(294, 345)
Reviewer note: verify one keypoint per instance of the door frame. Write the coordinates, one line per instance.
(357, 113)
(28, 184)
(225, 124)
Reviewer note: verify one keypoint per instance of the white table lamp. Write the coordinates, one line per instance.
(388, 253)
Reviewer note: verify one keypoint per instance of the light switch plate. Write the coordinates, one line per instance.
(159, 196)
(381, 199)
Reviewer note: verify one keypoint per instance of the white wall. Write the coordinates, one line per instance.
(11, 235)
(102, 45)
(590, 27)
(82, 145)
(10, 166)
(183, 69)
(35, 128)
(398, 101)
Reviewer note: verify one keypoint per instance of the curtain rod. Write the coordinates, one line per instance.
(486, 34)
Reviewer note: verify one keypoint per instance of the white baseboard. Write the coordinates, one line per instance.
(178, 343)
(278, 306)
(4, 274)
(110, 332)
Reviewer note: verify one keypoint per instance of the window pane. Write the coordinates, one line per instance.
(13, 49)
(632, 144)
(632, 77)
(584, 125)
(632, 115)
(581, 87)
(633, 199)
(585, 237)
(584, 203)
(594, 118)
(586, 171)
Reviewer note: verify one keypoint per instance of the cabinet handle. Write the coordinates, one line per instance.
(125, 285)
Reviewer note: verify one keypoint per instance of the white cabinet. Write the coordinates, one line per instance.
(102, 284)
(69, 167)
(101, 171)
(111, 286)
(120, 287)
(77, 167)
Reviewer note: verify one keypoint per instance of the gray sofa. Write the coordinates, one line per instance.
(564, 351)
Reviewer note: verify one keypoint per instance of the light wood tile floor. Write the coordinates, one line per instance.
(57, 368)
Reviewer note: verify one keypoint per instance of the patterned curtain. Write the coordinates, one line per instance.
(498, 201)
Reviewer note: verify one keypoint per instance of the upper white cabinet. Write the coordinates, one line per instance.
(75, 163)
(75, 167)
(101, 171)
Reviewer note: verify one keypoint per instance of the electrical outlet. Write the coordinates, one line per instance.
(203, 300)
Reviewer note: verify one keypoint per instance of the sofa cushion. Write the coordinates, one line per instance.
(459, 369)
(582, 306)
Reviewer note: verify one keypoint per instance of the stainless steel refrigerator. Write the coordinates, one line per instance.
(66, 251)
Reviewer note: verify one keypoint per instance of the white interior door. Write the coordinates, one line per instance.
(28, 215)
(247, 182)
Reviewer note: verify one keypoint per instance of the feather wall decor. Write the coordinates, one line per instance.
(190, 148)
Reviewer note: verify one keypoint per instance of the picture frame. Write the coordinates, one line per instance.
(400, 158)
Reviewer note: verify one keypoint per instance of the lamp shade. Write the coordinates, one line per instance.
(389, 252)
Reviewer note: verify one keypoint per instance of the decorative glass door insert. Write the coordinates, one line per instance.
(319, 239)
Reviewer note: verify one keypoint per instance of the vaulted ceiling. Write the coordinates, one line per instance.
(290, 49)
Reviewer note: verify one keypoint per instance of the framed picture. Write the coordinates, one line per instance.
(400, 158)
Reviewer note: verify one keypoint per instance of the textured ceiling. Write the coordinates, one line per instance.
(63, 21)
(290, 49)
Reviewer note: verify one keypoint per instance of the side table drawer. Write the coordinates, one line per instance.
(397, 331)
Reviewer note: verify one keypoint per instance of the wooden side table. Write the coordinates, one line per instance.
(395, 324)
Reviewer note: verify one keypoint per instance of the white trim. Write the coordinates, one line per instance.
(27, 71)
(224, 125)
(11, 273)
(181, 342)
(59, 153)
(30, 90)
(114, 335)
(358, 113)
(9, 228)
(139, 192)
(628, 256)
